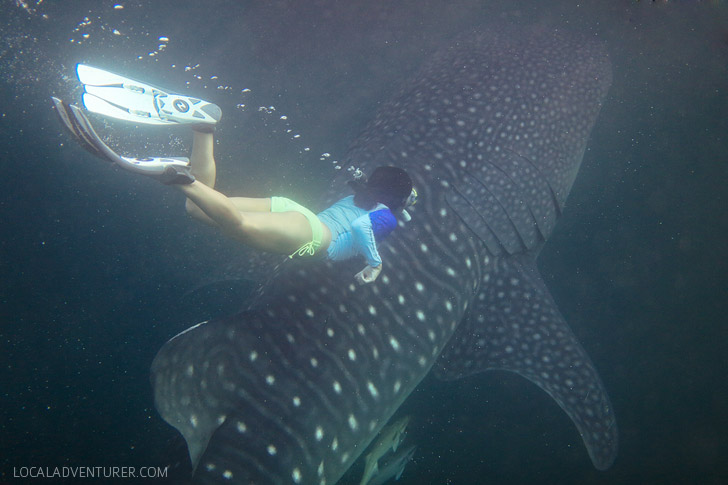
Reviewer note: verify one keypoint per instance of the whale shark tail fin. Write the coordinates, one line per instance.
(522, 331)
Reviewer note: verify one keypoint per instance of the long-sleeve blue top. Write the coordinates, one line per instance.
(356, 231)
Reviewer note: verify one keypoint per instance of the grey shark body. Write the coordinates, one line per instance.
(393, 466)
(388, 440)
(492, 130)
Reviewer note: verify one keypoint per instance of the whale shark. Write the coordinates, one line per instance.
(492, 129)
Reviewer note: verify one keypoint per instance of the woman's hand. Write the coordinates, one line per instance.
(368, 274)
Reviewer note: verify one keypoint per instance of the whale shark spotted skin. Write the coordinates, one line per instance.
(492, 130)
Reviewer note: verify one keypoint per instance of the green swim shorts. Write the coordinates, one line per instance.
(282, 204)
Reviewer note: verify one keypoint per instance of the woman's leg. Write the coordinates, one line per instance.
(202, 163)
(277, 232)
(245, 219)
(202, 166)
(202, 159)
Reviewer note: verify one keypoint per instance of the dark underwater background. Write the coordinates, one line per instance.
(99, 268)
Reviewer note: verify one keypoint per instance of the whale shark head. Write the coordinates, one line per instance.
(492, 131)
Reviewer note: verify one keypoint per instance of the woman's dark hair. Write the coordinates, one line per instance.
(387, 185)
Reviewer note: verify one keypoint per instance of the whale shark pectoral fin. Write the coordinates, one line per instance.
(174, 396)
(220, 461)
(521, 330)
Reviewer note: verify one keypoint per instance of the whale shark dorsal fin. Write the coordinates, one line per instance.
(522, 331)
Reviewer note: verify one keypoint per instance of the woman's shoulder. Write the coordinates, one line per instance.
(349, 199)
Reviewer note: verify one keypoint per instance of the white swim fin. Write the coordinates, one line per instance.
(115, 96)
(168, 170)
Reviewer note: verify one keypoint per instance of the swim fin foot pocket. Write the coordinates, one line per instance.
(167, 170)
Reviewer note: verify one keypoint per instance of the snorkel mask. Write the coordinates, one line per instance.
(411, 200)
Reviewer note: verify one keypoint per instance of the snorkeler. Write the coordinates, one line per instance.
(350, 227)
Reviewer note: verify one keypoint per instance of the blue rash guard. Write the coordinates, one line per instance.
(356, 231)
